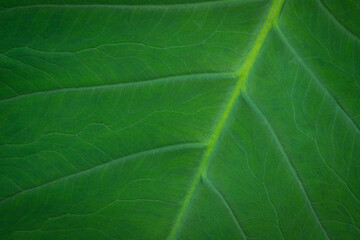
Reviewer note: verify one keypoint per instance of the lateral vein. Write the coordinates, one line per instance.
(174, 78)
(287, 160)
(317, 81)
(243, 74)
(226, 205)
(111, 162)
(130, 6)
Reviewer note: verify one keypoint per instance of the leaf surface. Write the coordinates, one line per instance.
(179, 119)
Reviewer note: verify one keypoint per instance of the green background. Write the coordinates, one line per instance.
(113, 121)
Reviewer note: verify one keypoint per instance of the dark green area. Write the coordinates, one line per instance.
(106, 109)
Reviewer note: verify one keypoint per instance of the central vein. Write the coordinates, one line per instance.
(243, 74)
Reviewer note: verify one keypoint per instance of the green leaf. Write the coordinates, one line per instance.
(179, 119)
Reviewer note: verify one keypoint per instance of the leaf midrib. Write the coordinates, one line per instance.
(243, 74)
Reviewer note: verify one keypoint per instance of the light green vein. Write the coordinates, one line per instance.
(318, 82)
(206, 4)
(163, 149)
(226, 205)
(185, 77)
(288, 162)
(243, 74)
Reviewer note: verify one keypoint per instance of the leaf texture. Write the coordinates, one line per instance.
(179, 119)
